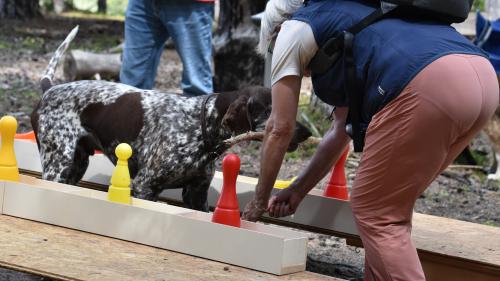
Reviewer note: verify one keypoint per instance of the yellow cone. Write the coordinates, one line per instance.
(8, 164)
(282, 184)
(119, 190)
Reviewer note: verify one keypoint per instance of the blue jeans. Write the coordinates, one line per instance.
(149, 23)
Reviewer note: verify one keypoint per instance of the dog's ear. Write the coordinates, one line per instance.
(254, 106)
(236, 117)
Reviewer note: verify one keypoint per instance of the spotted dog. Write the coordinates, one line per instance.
(175, 139)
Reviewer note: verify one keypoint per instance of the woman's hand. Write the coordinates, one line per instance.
(253, 210)
(284, 203)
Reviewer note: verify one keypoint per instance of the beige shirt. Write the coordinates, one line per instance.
(294, 48)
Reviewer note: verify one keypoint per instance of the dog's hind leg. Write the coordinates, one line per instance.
(84, 149)
(63, 154)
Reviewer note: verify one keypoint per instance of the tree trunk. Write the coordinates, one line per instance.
(59, 6)
(20, 9)
(102, 6)
(237, 64)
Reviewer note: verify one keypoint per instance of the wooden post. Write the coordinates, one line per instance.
(22, 9)
(102, 6)
(237, 64)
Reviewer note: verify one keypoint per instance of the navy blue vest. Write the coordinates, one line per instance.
(388, 53)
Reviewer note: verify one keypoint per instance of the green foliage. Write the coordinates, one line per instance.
(4, 45)
(32, 43)
(478, 4)
(492, 223)
(321, 122)
(98, 43)
(114, 7)
(31, 94)
(48, 5)
(319, 119)
(303, 152)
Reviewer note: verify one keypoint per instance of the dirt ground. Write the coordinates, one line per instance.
(26, 47)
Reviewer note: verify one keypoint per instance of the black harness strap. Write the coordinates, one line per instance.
(355, 94)
(217, 150)
(328, 55)
(331, 51)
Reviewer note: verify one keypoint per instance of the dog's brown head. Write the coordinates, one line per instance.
(248, 110)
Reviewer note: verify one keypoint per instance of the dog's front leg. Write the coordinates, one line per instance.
(143, 188)
(194, 194)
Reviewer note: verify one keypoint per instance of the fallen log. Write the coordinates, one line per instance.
(81, 65)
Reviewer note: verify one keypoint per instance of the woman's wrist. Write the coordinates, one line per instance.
(260, 204)
(298, 188)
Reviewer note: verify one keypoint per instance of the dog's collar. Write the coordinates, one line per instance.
(219, 149)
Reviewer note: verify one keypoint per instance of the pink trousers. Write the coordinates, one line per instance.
(408, 143)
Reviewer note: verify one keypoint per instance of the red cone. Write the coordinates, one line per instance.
(337, 186)
(227, 210)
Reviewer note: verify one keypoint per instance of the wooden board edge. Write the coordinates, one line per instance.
(112, 225)
(35, 271)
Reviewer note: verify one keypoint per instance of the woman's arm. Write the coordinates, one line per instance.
(278, 133)
(329, 151)
(291, 56)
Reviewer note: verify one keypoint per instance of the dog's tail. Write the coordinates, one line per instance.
(48, 75)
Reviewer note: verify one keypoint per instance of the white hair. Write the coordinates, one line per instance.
(277, 11)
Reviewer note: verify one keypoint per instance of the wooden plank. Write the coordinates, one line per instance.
(480, 257)
(464, 241)
(434, 251)
(256, 246)
(66, 254)
(441, 268)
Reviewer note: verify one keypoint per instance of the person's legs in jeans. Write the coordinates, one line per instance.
(145, 37)
(189, 23)
(408, 144)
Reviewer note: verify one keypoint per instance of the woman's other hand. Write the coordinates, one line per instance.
(284, 203)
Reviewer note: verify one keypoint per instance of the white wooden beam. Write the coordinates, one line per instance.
(315, 210)
(257, 246)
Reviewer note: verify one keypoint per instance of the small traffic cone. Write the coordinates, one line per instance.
(119, 190)
(337, 186)
(227, 210)
(8, 164)
(30, 136)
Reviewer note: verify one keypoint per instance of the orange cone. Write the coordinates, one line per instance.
(26, 136)
(337, 186)
(227, 210)
(31, 137)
